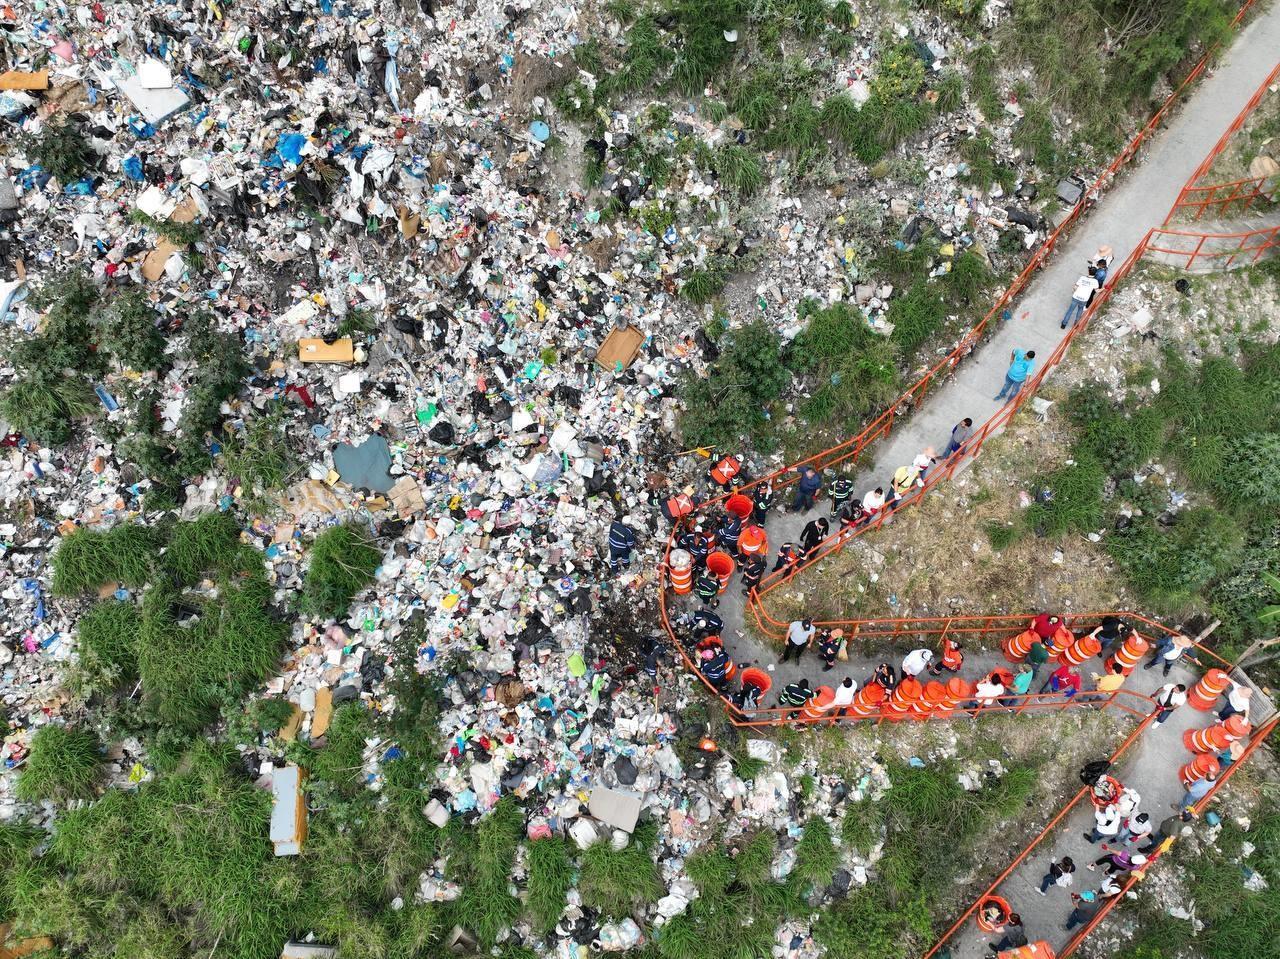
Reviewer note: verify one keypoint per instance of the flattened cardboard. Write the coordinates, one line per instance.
(314, 350)
(620, 346)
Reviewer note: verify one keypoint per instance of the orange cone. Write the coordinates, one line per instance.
(1016, 648)
(1199, 768)
(934, 695)
(867, 702)
(680, 571)
(1204, 694)
(819, 703)
(957, 691)
(1083, 649)
(1129, 654)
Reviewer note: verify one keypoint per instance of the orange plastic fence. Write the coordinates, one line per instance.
(1237, 196)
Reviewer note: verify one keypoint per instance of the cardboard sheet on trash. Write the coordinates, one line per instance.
(153, 263)
(314, 350)
(324, 712)
(620, 808)
(21, 80)
(17, 948)
(620, 346)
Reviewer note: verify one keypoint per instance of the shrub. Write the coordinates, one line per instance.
(967, 278)
(182, 234)
(108, 642)
(272, 713)
(899, 74)
(64, 763)
(343, 562)
(739, 169)
(45, 407)
(1122, 442)
(703, 285)
(127, 329)
(262, 456)
(1169, 568)
(1250, 478)
(62, 150)
(1075, 505)
(915, 316)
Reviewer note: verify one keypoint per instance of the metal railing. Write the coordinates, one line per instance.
(1250, 245)
(1238, 195)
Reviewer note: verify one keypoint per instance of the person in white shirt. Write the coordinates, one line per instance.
(799, 638)
(988, 690)
(1237, 701)
(1086, 286)
(1167, 652)
(873, 500)
(916, 662)
(1169, 697)
(1106, 824)
(844, 697)
(1128, 802)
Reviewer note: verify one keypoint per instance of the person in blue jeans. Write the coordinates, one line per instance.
(1019, 369)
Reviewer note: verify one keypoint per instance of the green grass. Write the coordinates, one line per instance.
(481, 862)
(550, 879)
(816, 854)
(202, 546)
(916, 316)
(261, 456)
(614, 881)
(108, 643)
(1075, 505)
(738, 168)
(703, 285)
(343, 561)
(63, 764)
(88, 558)
(45, 407)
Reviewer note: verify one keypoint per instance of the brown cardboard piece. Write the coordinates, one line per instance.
(289, 731)
(21, 80)
(315, 350)
(620, 346)
(324, 712)
(153, 263)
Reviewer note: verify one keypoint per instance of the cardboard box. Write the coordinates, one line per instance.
(314, 350)
(620, 346)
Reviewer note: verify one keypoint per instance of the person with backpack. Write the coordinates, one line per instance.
(1168, 698)
(1060, 873)
(1086, 287)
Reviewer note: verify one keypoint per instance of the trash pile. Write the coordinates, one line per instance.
(472, 359)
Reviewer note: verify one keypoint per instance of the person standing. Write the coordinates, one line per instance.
(952, 658)
(905, 480)
(1060, 874)
(788, 557)
(1086, 907)
(1022, 678)
(828, 649)
(724, 472)
(1168, 698)
(1105, 686)
(763, 496)
(1086, 286)
(1238, 697)
(752, 572)
(840, 491)
(716, 667)
(1020, 367)
(1197, 791)
(1037, 657)
(622, 540)
(1106, 824)
(873, 502)
(806, 489)
(1167, 652)
(844, 697)
(960, 434)
(814, 532)
(1134, 829)
(799, 638)
(729, 533)
(916, 662)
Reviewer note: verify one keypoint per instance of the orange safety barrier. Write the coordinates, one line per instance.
(680, 571)
(739, 505)
(1081, 651)
(818, 704)
(1221, 197)
(751, 676)
(867, 702)
(1215, 738)
(720, 565)
(1203, 766)
(903, 699)
(1249, 245)
(1129, 654)
(933, 697)
(1204, 694)
(1016, 648)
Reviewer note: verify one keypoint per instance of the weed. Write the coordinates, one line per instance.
(108, 643)
(614, 881)
(738, 168)
(550, 878)
(181, 234)
(899, 74)
(703, 285)
(261, 456)
(1070, 499)
(1002, 535)
(816, 855)
(482, 864)
(129, 333)
(915, 316)
(270, 714)
(63, 764)
(44, 408)
(950, 90)
(357, 322)
(88, 559)
(967, 278)
(343, 561)
(1034, 136)
(201, 546)
(62, 150)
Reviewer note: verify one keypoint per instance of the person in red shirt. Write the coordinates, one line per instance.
(1064, 679)
(1046, 624)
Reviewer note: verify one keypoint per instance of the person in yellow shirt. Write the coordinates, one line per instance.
(1105, 686)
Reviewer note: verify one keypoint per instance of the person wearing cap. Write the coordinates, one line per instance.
(1119, 860)
(829, 647)
(753, 541)
(724, 472)
(906, 479)
(622, 540)
(1136, 828)
(799, 638)
(697, 544)
(715, 666)
(840, 491)
(916, 662)
(1167, 652)
(806, 489)
(752, 572)
(763, 496)
(1086, 907)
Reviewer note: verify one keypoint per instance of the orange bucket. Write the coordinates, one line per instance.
(751, 676)
(739, 505)
(720, 565)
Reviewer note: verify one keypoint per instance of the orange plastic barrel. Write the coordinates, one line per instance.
(720, 565)
(1060, 640)
(1084, 648)
(819, 702)
(1199, 768)
(1215, 738)
(867, 701)
(984, 906)
(680, 571)
(957, 691)
(739, 505)
(1110, 796)
(1205, 693)
(751, 676)
(1130, 653)
(1016, 648)
(934, 696)
(903, 698)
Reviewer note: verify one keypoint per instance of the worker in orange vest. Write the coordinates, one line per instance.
(753, 541)
(951, 660)
(681, 505)
(724, 472)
